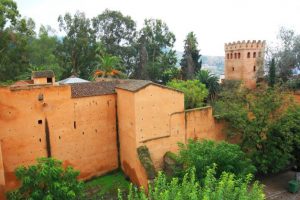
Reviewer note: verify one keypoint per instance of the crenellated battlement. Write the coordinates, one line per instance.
(245, 45)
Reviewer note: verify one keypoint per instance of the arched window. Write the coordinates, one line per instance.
(254, 54)
(228, 56)
(254, 68)
(233, 69)
(239, 55)
(231, 56)
(248, 55)
(235, 55)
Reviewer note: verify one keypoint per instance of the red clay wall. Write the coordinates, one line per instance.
(82, 130)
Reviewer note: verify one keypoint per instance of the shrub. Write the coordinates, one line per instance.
(227, 187)
(204, 154)
(47, 180)
(194, 92)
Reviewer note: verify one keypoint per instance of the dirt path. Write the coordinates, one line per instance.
(276, 186)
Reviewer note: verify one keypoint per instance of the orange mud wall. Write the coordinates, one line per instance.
(297, 97)
(154, 116)
(201, 124)
(81, 131)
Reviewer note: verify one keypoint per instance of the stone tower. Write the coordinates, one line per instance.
(243, 61)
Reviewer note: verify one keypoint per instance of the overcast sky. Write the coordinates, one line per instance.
(215, 22)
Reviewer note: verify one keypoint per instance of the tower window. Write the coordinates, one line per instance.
(231, 56)
(233, 69)
(239, 55)
(254, 68)
(254, 54)
(49, 80)
(235, 55)
(228, 56)
(248, 55)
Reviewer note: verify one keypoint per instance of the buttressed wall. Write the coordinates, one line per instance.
(57, 121)
(243, 61)
(154, 116)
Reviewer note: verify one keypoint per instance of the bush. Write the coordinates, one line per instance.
(194, 92)
(204, 154)
(227, 187)
(47, 180)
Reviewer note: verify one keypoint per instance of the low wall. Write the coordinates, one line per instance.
(297, 96)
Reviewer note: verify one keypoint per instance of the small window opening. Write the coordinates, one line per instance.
(248, 55)
(74, 124)
(40, 140)
(41, 97)
(254, 55)
(49, 80)
(239, 55)
(228, 56)
(40, 121)
(254, 68)
(235, 55)
(233, 69)
(231, 56)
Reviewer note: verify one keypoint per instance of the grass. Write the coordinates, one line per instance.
(106, 187)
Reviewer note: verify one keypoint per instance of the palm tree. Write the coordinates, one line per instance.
(211, 82)
(107, 66)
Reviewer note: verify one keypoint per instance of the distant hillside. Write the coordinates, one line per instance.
(215, 64)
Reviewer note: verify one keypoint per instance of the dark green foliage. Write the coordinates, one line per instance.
(211, 82)
(145, 158)
(47, 180)
(8, 12)
(272, 73)
(261, 119)
(170, 74)
(117, 34)
(227, 187)
(194, 92)
(204, 154)
(156, 54)
(78, 49)
(172, 165)
(191, 60)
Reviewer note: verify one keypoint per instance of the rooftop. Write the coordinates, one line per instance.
(42, 74)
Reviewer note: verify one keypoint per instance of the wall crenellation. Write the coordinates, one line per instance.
(245, 45)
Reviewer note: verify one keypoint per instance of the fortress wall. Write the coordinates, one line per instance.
(160, 121)
(201, 124)
(89, 146)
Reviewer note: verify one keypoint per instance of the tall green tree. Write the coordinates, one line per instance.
(78, 49)
(191, 61)
(8, 13)
(156, 52)
(272, 73)
(117, 34)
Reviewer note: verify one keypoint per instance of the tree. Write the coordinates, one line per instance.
(211, 82)
(108, 65)
(155, 50)
(47, 180)
(8, 13)
(204, 154)
(117, 34)
(194, 92)
(287, 54)
(14, 49)
(191, 60)
(272, 73)
(254, 116)
(227, 187)
(78, 49)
